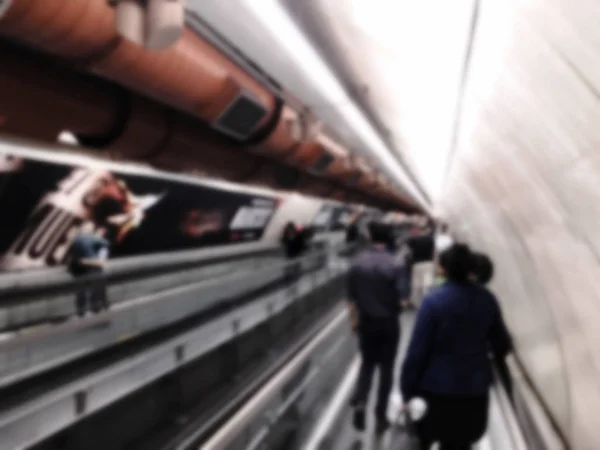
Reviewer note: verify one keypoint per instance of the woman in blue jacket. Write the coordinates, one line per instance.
(448, 360)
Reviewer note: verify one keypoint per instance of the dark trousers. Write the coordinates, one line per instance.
(455, 422)
(378, 342)
(92, 296)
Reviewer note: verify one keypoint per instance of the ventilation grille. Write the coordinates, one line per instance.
(241, 118)
(322, 163)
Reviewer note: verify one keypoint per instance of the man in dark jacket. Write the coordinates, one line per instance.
(447, 362)
(376, 288)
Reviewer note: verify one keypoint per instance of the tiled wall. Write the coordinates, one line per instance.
(524, 186)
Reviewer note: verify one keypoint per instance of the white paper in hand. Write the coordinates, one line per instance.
(417, 408)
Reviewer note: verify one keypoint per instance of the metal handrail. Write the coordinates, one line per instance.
(296, 266)
(34, 284)
(38, 284)
(97, 387)
(502, 397)
(526, 396)
(223, 438)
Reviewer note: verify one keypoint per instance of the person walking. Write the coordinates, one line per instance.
(89, 252)
(376, 288)
(448, 363)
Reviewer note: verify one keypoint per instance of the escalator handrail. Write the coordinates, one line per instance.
(30, 284)
(26, 283)
(223, 437)
(534, 404)
(38, 285)
(501, 395)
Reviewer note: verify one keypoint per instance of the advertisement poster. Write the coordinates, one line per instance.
(333, 218)
(44, 205)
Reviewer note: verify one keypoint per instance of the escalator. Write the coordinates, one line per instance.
(157, 359)
(271, 420)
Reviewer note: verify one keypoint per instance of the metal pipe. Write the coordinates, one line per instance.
(190, 76)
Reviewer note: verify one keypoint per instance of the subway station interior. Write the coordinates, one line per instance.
(193, 137)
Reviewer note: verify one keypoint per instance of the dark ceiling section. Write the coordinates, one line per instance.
(307, 15)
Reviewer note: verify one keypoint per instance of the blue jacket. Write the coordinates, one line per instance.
(457, 327)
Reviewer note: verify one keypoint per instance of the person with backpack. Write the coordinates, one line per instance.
(88, 255)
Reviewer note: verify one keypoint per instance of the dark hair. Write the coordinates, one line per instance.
(457, 262)
(379, 233)
(482, 268)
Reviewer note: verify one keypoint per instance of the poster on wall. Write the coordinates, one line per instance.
(333, 218)
(44, 205)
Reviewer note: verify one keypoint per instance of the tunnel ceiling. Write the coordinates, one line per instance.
(402, 61)
(249, 26)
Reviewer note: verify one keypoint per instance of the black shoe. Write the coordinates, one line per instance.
(381, 426)
(358, 420)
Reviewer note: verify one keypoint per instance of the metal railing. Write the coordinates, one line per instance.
(29, 354)
(42, 296)
(106, 384)
(267, 405)
(540, 431)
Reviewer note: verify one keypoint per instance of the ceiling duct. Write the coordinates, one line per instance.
(191, 75)
(152, 115)
(322, 163)
(242, 117)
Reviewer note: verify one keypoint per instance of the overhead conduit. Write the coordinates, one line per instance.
(192, 77)
(40, 99)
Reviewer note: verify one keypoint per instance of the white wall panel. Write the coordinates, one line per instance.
(525, 187)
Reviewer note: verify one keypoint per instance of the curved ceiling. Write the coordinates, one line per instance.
(403, 62)
(266, 34)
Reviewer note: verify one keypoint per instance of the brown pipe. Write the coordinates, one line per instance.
(194, 144)
(284, 138)
(146, 131)
(191, 75)
(306, 155)
(94, 111)
(139, 132)
(40, 99)
(285, 144)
